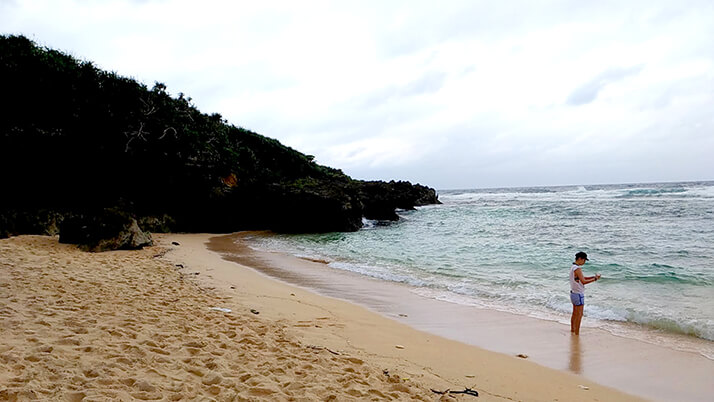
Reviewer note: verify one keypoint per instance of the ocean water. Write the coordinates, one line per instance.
(510, 249)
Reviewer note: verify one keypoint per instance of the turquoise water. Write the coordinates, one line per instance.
(510, 249)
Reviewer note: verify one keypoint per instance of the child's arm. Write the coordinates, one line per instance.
(583, 279)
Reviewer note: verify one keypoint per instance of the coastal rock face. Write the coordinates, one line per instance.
(381, 199)
(157, 224)
(106, 141)
(317, 207)
(107, 230)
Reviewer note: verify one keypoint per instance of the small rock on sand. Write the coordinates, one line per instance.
(144, 386)
(399, 346)
(212, 379)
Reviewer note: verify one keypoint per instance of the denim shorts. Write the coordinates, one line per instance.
(578, 299)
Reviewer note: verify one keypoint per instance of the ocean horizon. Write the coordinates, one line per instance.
(510, 249)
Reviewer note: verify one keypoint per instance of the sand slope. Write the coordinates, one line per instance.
(127, 325)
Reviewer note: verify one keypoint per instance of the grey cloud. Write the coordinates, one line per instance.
(428, 26)
(428, 83)
(6, 5)
(587, 92)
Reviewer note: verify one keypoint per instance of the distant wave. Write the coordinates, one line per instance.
(702, 189)
(536, 190)
(655, 273)
(671, 277)
(652, 192)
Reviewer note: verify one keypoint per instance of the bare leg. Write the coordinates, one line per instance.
(576, 319)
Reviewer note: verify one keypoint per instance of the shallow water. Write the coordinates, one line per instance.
(510, 249)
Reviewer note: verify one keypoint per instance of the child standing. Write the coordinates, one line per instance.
(577, 290)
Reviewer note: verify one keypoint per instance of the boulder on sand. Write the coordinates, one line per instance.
(109, 229)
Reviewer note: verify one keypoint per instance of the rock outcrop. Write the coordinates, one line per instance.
(381, 199)
(104, 230)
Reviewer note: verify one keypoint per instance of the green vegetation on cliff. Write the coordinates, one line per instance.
(75, 139)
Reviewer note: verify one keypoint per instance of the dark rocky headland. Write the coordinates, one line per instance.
(86, 152)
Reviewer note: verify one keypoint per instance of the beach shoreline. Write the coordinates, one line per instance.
(379, 333)
(631, 365)
(272, 257)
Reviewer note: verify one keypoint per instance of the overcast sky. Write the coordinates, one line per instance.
(451, 94)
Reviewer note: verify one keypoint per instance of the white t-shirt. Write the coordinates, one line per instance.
(575, 285)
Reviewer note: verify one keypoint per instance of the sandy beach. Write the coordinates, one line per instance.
(178, 322)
